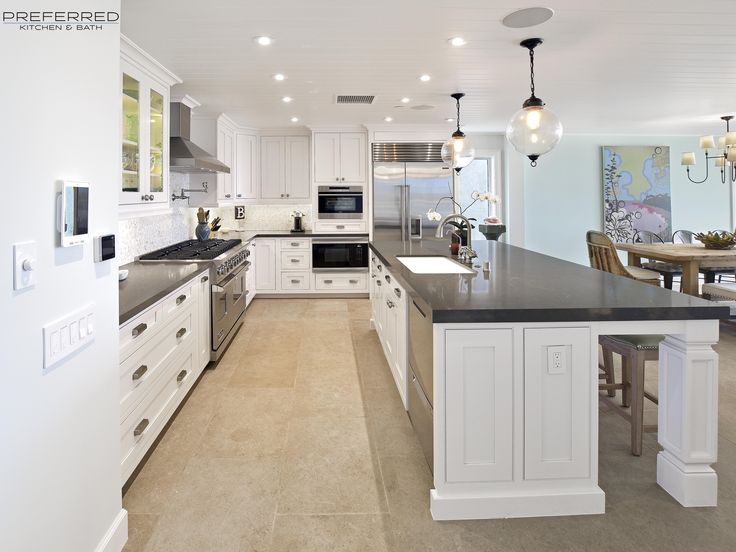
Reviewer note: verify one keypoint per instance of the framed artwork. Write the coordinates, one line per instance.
(636, 192)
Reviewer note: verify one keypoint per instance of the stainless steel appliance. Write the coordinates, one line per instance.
(339, 254)
(408, 181)
(340, 202)
(228, 266)
(421, 387)
(184, 155)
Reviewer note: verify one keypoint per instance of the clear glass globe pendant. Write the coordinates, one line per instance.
(457, 152)
(533, 130)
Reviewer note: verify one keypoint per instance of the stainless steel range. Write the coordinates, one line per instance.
(228, 265)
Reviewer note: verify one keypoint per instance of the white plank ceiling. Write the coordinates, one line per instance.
(615, 66)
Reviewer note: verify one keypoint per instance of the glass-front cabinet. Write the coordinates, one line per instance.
(144, 161)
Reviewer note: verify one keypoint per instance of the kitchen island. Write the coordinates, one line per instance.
(514, 379)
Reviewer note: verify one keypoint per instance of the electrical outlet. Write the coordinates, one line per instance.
(556, 359)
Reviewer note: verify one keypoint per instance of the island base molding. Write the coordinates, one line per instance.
(501, 506)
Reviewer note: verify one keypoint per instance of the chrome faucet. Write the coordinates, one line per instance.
(466, 252)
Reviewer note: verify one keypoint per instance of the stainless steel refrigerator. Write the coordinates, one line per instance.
(408, 181)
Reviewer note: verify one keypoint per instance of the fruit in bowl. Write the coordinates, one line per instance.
(716, 239)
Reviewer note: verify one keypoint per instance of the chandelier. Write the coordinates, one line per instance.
(726, 159)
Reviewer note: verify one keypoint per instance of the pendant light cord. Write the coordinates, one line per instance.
(457, 101)
(531, 70)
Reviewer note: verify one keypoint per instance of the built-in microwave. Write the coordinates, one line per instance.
(340, 202)
(336, 254)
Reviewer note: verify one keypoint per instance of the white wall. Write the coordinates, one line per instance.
(59, 466)
(563, 195)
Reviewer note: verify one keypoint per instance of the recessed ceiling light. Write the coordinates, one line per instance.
(295, 119)
(263, 40)
(450, 120)
(388, 119)
(424, 78)
(286, 99)
(527, 17)
(457, 41)
(405, 100)
(279, 77)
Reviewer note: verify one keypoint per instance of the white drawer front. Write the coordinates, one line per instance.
(144, 424)
(136, 332)
(297, 243)
(341, 282)
(179, 300)
(141, 369)
(295, 280)
(356, 227)
(295, 260)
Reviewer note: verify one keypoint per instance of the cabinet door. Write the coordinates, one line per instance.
(158, 144)
(225, 153)
(296, 164)
(266, 265)
(479, 406)
(401, 327)
(557, 394)
(246, 160)
(353, 157)
(272, 168)
(327, 157)
(204, 336)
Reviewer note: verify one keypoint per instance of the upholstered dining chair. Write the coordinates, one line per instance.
(603, 256)
(635, 350)
(667, 270)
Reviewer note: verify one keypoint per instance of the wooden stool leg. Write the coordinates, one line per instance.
(668, 280)
(626, 380)
(608, 369)
(637, 403)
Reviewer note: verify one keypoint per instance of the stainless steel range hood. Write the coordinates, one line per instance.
(184, 155)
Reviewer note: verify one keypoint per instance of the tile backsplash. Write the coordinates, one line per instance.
(140, 235)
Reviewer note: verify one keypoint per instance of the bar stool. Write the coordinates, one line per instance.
(635, 351)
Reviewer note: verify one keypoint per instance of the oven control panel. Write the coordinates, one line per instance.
(232, 262)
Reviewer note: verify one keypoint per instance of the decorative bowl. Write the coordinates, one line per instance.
(716, 240)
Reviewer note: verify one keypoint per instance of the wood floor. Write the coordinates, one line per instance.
(297, 441)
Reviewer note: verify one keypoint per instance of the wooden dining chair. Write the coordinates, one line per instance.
(603, 256)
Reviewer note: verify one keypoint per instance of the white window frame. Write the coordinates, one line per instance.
(496, 186)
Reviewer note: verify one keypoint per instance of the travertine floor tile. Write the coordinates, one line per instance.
(140, 529)
(336, 533)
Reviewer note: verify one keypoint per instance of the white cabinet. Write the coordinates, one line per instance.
(246, 163)
(342, 283)
(265, 265)
(285, 167)
(348, 227)
(205, 335)
(340, 157)
(250, 276)
(145, 127)
(226, 154)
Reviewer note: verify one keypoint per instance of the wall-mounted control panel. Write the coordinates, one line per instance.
(104, 248)
(25, 265)
(66, 335)
(73, 213)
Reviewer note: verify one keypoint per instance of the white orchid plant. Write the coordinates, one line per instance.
(433, 215)
(296, 214)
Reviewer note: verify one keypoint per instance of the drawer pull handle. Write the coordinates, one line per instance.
(328, 281)
(294, 244)
(295, 281)
(353, 281)
(227, 196)
(380, 268)
(389, 303)
(181, 299)
(397, 291)
(139, 329)
(373, 275)
(340, 227)
(379, 283)
(181, 333)
(138, 374)
(247, 292)
(140, 428)
(205, 279)
(294, 260)
(181, 376)
(388, 278)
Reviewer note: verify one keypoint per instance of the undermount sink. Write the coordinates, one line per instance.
(433, 265)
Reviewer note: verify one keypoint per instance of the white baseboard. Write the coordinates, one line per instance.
(697, 487)
(516, 506)
(117, 534)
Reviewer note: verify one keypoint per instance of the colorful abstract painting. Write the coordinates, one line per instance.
(636, 192)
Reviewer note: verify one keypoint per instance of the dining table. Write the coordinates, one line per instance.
(691, 256)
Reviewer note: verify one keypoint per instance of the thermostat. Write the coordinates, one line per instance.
(104, 248)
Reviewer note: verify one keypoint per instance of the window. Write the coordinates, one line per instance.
(481, 176)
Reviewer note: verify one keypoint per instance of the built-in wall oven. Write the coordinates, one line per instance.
(340, 202)
(339, 254)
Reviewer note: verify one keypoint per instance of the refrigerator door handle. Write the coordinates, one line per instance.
(403, 208)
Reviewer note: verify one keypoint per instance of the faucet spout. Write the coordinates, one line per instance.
(466, 253)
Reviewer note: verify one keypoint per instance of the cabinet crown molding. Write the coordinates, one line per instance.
(337, 128)
(186, 99)
(138, 57)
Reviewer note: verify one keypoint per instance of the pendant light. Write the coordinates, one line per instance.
(533, 130)
(457, 151)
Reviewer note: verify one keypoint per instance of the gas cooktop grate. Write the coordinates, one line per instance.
(193, 250)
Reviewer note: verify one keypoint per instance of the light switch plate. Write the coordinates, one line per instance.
(66, 335)
(24, 277)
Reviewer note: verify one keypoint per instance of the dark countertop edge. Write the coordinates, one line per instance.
(124, 317)
(308, 234)
(478, 316)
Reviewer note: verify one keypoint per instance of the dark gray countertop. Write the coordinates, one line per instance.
(149, 282)
(247, 235)
(524, 286)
